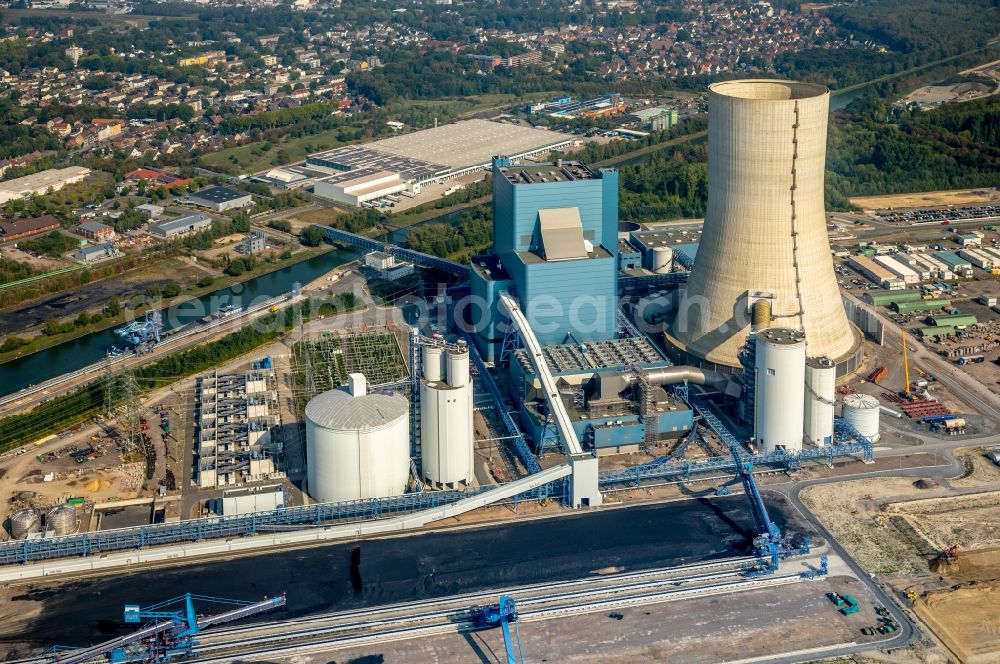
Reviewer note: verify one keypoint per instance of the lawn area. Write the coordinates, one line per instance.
(251, 158)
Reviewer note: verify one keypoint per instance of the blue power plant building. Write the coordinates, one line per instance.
(555, 248)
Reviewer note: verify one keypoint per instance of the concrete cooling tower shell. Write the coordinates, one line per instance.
(765, 225)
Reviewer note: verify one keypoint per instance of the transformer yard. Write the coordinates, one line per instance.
(767, 436)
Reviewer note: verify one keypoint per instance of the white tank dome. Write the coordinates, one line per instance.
(357, 444)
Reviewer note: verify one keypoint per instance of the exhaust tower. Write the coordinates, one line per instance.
(765, 234)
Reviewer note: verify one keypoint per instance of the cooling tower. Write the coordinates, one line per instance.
(765, 226)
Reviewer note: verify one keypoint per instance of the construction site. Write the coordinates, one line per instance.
(530, 394)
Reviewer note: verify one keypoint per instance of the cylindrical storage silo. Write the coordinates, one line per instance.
(446, 435)
(862, 412)
(433, 362)
(24, 523)
(821, 385)
(61, 519)
(663, 259)
(357, 445)
(780, 382)
(458, 366)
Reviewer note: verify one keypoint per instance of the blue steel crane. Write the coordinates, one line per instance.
(502, 615)
(769, 543)
(169, 633)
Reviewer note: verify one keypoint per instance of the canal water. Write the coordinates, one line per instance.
(87, 350)
(76, 613)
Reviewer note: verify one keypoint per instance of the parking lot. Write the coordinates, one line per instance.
(942, 215)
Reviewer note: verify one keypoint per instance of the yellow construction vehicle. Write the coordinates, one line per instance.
(911, 595)
(906, 368)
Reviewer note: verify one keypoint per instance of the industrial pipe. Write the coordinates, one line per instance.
(682, 374)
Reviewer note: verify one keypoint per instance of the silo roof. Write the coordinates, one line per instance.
(339, 410)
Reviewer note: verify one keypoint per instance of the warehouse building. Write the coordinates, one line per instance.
(423, 157)
(96, 253)
(22, 228)
(38, 184)
(192, 223)
(150, 210)
(360, 186)
(221, 199)
(877, 273)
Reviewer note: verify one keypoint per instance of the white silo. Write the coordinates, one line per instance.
(433, 361)
(357, 444)
(446, 434)
(780, 382)
(862, 412)
(821, 386)
(663, 259)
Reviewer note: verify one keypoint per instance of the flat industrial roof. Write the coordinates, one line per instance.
(218, 195)
(595, 355)
(549, 172)
(470, 142)
(42, 179)
(359, 176)
(364, 157)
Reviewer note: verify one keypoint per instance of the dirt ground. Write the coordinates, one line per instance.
(926, 199)
(751, 624)
(897, 526)
(93, 296)
(967, 619)
(10, 252)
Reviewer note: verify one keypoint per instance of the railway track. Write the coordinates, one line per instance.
(452, 615)
(346, 629)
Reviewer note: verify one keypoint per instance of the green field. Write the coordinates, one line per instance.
(251, 158)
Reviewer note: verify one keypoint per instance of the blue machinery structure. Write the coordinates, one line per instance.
(502, 615)
(142, 331)
(169, 633)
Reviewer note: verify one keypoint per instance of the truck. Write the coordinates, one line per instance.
(970, 359)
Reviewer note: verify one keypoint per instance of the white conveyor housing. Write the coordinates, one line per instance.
(584, 484)
(566, 432)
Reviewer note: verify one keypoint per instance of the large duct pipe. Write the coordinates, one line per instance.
(682, 374)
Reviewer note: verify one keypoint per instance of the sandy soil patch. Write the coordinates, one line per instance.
(926, 199)
(967, 619)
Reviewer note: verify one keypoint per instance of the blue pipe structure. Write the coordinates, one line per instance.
(520, 445)
(417, 258)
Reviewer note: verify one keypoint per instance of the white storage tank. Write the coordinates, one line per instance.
(433, 360)
(862, 412)
(663, 259)
(780, 382)
(446, 430)
(821, 386)
(357, 444)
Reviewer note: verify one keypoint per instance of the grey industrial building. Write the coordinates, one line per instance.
(234, 416)
(191, 223)
(96, 253)
(221, 199)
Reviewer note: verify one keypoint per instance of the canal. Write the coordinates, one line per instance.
(86, 350)
(421, 566)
